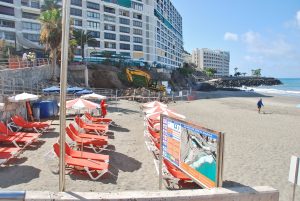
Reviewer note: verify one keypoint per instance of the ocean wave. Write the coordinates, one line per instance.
(202, 160)
(271, 91)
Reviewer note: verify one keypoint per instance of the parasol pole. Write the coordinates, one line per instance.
(63, 86)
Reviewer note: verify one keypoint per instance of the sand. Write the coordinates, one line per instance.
(258, 147)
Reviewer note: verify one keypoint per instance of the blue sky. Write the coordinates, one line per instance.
(258, 33)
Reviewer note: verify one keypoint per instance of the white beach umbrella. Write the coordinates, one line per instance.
(23, 97)
(93, 96)
(155, 109)
(154, 104)
(170, 113)
(79, 104)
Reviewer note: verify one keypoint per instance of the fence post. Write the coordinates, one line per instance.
(133, 94)
(13, 86)
(149, 99)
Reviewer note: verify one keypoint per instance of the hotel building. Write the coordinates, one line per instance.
(148, 30)
(216, 59)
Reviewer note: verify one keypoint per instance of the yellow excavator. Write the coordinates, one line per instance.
(152, 84)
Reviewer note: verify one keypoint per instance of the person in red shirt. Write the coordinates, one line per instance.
(103, 106)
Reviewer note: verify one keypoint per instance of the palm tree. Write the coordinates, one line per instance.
(49, 5)
(51, 32)
(83, 38)
(235, 70)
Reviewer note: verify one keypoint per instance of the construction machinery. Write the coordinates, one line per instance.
(150, 83)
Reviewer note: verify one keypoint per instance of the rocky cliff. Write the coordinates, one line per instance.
(244, 81)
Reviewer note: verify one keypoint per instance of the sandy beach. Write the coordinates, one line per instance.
(258, 147)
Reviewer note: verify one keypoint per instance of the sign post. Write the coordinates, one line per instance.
(294, 174)
(195, 150)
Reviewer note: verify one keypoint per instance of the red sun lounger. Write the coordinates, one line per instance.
(154, 135)
(175, 172)
(10, 149)
(6, 131)
(97, 119)
(85, 135)
(41, 124)
(20, 124)
(89, 166)
(82, 154)
(99, 129)
(18, 139)
(96, 145)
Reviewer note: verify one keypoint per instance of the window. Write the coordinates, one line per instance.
(137, 48)
(110, 45)
(7, 23)
(76, 12)
(32, 37)
(92, 5)
(124, 46)
(8, 1)
(35, 4)
(124, 13)
(7, 10)
(76, 2)
(124, 21)
(93, 15)
(77, 22)
(124, 29)
(93, 43)
(110, 36)
(109, 27)
(137, 16)
(137, 40)
(137, 31)
(94, 34)
(30, 15)
(109, 10)
(109, 18)
(31, 26)
(137, 23)
(95, 25)
(125, 38)
(7, 35)
(137, 6)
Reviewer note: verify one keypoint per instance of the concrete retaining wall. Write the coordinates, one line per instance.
(30, 76)
(221, 194)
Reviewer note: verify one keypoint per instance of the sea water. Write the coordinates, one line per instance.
(290, 87)
(206, 165)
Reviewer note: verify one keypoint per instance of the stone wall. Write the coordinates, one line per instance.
(27, 76)
(219, 194)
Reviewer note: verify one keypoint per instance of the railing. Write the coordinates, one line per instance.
(15, 63)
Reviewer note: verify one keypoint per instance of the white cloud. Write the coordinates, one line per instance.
(231, 36)
(298, 18)
(255, 43)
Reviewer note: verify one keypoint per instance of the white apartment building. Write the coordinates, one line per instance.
(148, 30)
(216, 59)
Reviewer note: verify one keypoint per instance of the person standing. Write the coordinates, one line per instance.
(103, 106)
(259, 105)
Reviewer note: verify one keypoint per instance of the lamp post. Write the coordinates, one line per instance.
(63, 86)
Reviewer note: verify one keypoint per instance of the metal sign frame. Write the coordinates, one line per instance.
(219, 158)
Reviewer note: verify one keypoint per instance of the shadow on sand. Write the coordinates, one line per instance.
(24, 174)
(118, 162)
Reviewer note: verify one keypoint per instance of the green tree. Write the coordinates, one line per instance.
(210, 72)
(83, 38)
(51, 32)
(235, 70)
(256, 72)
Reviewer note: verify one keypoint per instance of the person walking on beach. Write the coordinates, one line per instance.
(259, 105)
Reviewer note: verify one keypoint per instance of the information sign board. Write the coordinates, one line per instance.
(195, 150)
